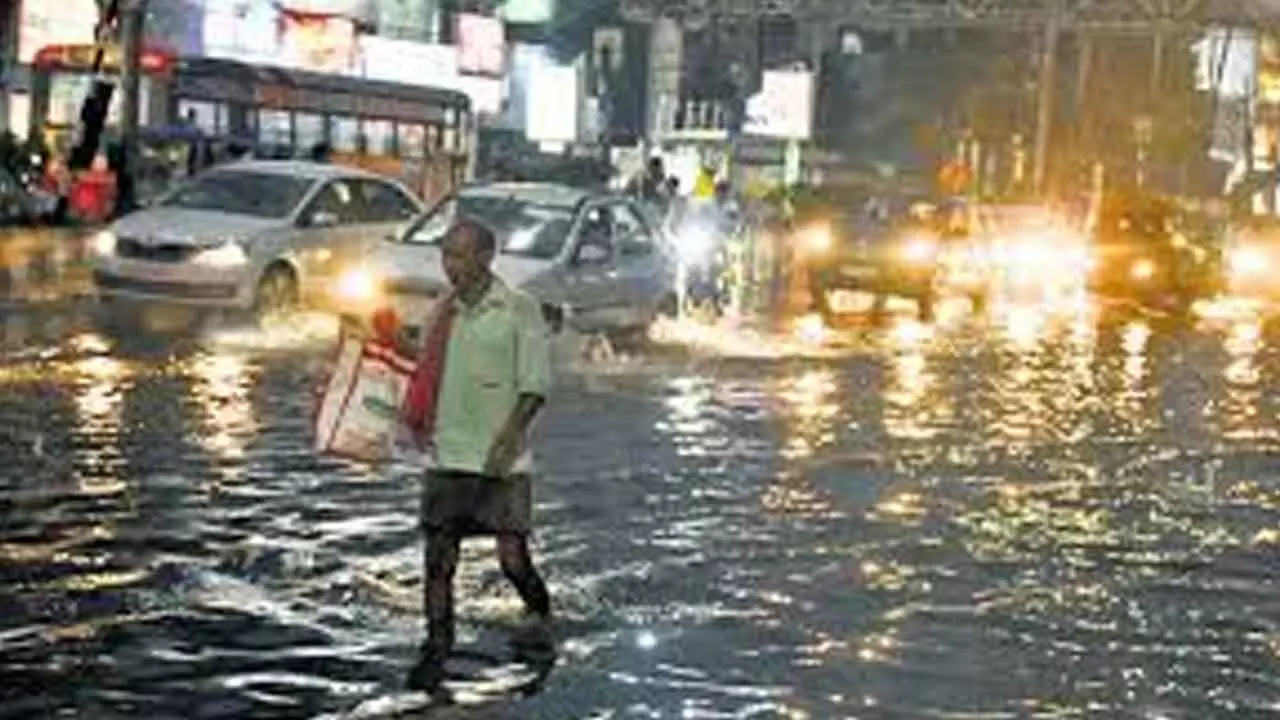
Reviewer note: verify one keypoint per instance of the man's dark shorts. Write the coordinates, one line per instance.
(467, 504)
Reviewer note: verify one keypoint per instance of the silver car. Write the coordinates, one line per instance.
(595, 256)
(261, 235)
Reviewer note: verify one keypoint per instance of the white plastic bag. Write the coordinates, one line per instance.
(358, 416)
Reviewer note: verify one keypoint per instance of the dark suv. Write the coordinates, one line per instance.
(1146, 254)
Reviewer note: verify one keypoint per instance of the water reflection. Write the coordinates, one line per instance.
(1241, 406)
(912, 406)
(222, 384)
(791, 556)
(102, 383)
(808, 411)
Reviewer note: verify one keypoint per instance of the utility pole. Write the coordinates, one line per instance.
(132, 15)
(1047, 87)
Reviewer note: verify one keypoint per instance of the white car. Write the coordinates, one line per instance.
(595, 256)
(260, 235)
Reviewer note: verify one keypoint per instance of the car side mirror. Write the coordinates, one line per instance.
(591, 254)
(321, 219)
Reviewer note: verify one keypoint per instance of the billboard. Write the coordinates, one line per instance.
(784, 106)
(45, 22)
(527, 12)
(318, 42)
(427, 65)
(551, 105)
(482, 44)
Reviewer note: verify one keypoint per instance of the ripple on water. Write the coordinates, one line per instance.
(1037, 516)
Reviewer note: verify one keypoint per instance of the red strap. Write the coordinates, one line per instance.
(424, 386)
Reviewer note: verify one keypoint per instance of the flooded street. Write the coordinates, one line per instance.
(1025, 516)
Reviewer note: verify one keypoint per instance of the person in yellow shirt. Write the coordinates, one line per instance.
(495, 379)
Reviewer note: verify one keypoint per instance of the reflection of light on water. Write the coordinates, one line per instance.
(1243, 343)
(809, 411)
(1134, 340)
(102, 382)
(908, 405)
(812, 329)
(1024, 326)
(910, 333)
(728, 338)
(222, 392)
(1244, 380)
(907, 399)
(99, 400)
(299, 330)
(687, 418)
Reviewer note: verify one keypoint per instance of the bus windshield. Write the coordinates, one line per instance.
(242, 192)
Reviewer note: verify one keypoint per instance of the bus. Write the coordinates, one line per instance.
(418, 135)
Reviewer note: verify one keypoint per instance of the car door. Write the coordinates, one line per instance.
(645, 275)
(324, 227)
(387, 207)
(590, 274)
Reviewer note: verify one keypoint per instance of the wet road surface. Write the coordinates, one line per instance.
(1026, 516)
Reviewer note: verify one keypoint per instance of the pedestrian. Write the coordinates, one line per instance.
(474, 414)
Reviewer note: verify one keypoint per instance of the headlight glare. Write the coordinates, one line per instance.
(103, 243)
(1249, 261)
(358, 285)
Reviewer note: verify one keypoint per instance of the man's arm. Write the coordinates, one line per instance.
(533, 383)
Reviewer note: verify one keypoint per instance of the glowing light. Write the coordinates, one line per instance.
(646, 640)
(358, 286)
(920, 249)
(811, 328)
(1249, 261)
(103, 244)
(1143, 270)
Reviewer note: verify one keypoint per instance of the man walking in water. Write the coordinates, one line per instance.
(495, 346)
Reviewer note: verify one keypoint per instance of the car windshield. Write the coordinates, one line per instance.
(523, 228)
(242, 192)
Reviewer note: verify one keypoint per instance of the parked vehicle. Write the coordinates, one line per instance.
(260, 235)
(594, 256)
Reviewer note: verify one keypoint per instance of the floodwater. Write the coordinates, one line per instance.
(1031, 516)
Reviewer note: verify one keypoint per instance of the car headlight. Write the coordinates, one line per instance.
(358, 286)
(227, 255)
(1249, 261)
(920, 249)
(103, 244)
(817, 239)
(1143, 270)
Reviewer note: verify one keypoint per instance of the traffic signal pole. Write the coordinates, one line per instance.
(132, 13)
(120, 22)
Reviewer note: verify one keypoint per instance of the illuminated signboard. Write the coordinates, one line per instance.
(80, 57)
(54, 22)
(482, 45)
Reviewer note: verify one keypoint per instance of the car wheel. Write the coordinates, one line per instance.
(277, 295)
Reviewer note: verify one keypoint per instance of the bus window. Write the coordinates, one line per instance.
(450, 141)
(274, 128)
(412, 140)
(309, 131)
(381, 137)
(433, 137)
(345, 133)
